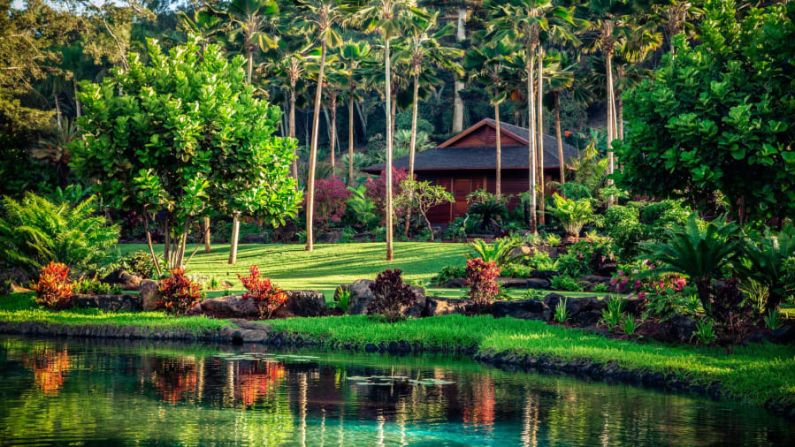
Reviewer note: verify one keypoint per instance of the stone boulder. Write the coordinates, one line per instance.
(362, 296)
(123, 279)
(455, 283)
(538, 283)
(149, 290)
(524, 309)
(435, 306)
(544, 274)
(681, 328)
(304, 303)
(110, 303)
(582, 312)
(512, 283)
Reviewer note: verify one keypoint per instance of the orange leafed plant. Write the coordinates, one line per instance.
(178, 293)
(267, 296)
(54, 289)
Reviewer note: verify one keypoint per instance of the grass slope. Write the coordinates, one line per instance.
(754, 373)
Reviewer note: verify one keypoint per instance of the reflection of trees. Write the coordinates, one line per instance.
(48, 365)
(479, 403)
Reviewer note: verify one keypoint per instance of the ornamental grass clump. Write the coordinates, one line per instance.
(178, 293)
(391, 295)
(54, 289)
(265, 294)
(482, 281)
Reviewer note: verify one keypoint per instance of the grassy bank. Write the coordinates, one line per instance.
(754, 373)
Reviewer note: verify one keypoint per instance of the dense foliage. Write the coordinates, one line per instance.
(390, 295)
(716, 119)
(482, 281)
(54, 288)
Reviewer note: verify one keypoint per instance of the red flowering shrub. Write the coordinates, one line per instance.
(331, 196)
(391, 295)
(54, 289)
(267, 296)
(376, 187)
(178, 294)
(482, 281)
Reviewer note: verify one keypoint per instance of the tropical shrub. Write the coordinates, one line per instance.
(487, 210)
(622, 224)
(501, 251)
(769, 260)
(773, 320)
(376, 187)
(574, 190)
(93, 286)
(361, 211)
(516, 270)
(420, 197)
(701, 251)
(342, 298)
(571, 214)
(482, 281)
(447, 273)
(390, 295)
(456, 230)
(564, 282)
(54, 289)
(178, 293)
(263, 292)
(35, 231)
(331, 197)
(140, 263)
(540, 260)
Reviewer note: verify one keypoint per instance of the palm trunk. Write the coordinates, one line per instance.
(350, 138)
(78, 108)
(610, 120)
(559, 137)
(540, 143)
(531, 140)
(234, 238)
(498, 142)
(207, 235)
(413, 146)
(291, 130)
(310, 182)
(458, 86)
(333, 105)
(619, 105)
(388, 109)
(166, 239)
(250, 67)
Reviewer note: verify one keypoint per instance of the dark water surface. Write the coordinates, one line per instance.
(105, 393)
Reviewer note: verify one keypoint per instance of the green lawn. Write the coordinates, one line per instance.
(754, 373)
(325, 268)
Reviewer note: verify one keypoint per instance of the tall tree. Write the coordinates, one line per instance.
(675, 17)
(253, 21)
(489, 63)
(386, 17)
(288, 68)
(525, 21)
(319, 21)
(559, 78)
(352, 56)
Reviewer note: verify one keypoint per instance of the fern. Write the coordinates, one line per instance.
(501, 251)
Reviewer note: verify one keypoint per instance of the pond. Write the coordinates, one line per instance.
(81, 392)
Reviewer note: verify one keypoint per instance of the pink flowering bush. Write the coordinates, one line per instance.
(331, 196)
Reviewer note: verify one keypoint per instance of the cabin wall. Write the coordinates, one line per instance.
(486, 136)
(462, 183)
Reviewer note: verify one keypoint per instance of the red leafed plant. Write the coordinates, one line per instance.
(178, 294)
(267, 296)
(54, 289)
(376, 187)
(482, 281)
(331, 197)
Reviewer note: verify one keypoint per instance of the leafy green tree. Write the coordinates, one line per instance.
(35, 231)
(421, 196)
(169, 136)
(716, 120)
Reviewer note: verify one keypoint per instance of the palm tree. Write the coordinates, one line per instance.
(205, 23)
(352, 56)
(319, 20)
(560, 77)
(675, 17)
(288, 68)
(252, 20)
(525, 21)
(488, 63)
(385, 16)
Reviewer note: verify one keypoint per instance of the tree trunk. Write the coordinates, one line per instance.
(151, 246)
(351, 136)
(362, 120)
(166, 240)
(388, 109)
(540, 144)
(250, 67)
(413, 145)
(531, 140)
(559, 137)
(291, 130)
(207, 235)
(610, 121)
(234, 238)
(78, 108)
(458, 86)
(619, 105)
(498, 142)
(310, 182)
(333, 97)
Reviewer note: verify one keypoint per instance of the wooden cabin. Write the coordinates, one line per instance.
(467, 162)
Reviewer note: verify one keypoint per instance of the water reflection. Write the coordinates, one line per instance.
(56, 392)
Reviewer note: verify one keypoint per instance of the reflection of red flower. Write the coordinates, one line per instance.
(567, 133)
(481, 411)
(174, 379)
(48, 368)
(257, 381)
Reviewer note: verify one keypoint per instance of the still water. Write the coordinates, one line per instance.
(103, 393)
